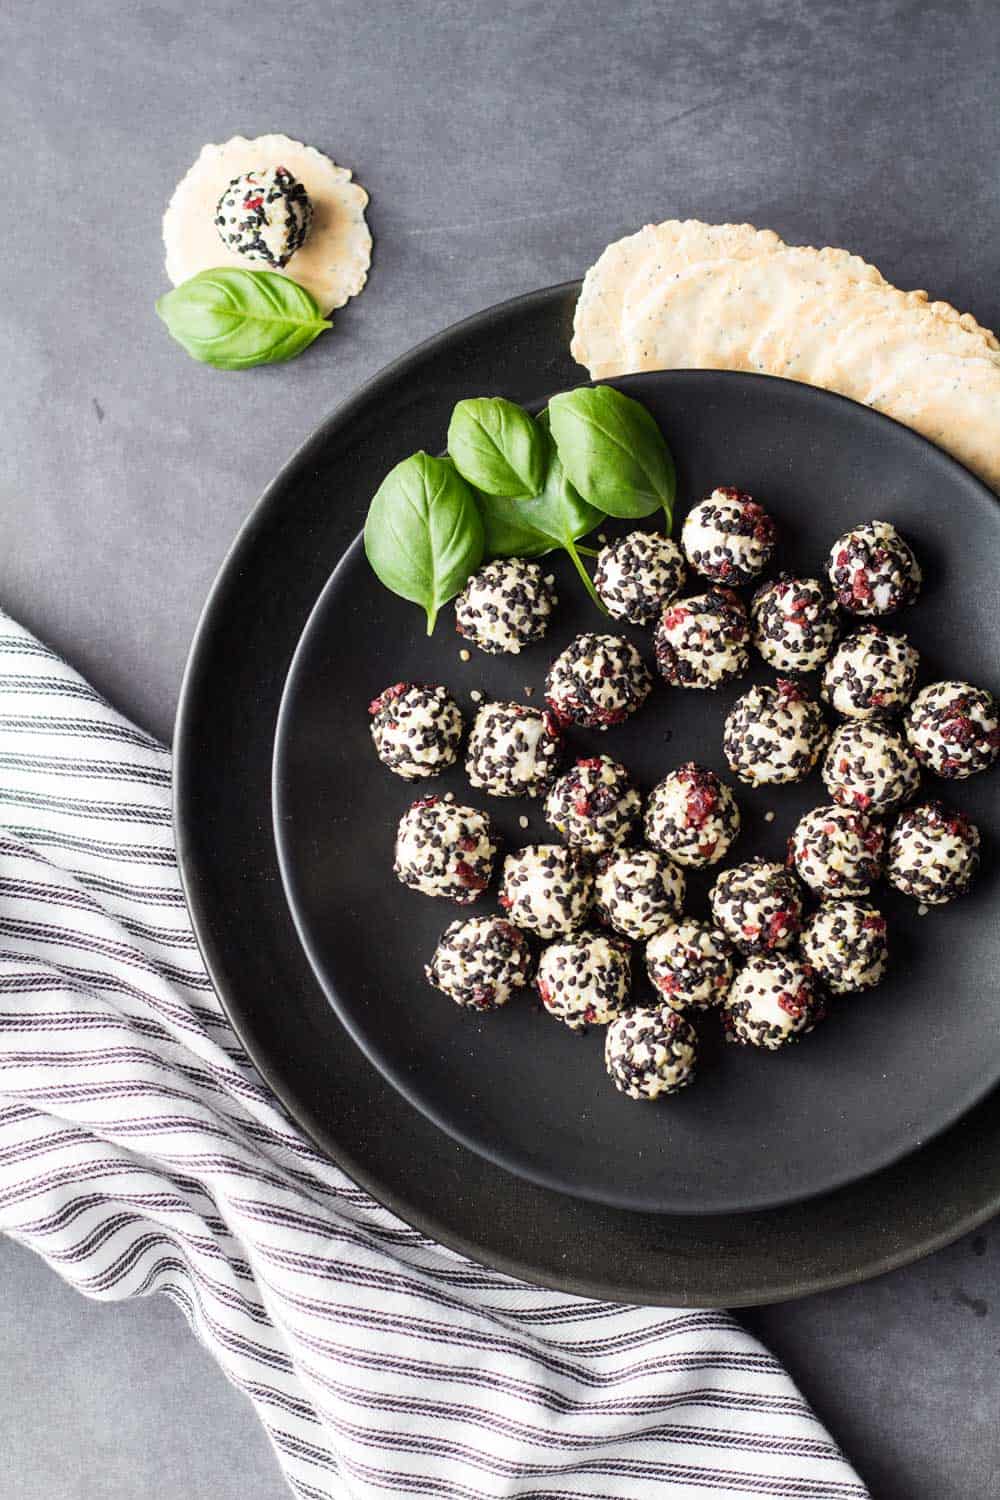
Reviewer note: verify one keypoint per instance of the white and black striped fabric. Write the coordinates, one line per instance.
(140, 1153)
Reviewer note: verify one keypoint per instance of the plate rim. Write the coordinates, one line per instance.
(196, 885)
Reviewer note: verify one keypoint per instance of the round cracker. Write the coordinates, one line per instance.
(332, 264)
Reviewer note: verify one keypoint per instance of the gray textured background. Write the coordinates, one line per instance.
(504, 144)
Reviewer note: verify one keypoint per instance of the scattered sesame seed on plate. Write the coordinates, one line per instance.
(464, 655)
(476, 696)
(523, 821)
(528, 691)
(769, 816)
(922, 910)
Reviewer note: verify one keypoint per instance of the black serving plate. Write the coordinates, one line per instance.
(248, 635)
(889, 1070)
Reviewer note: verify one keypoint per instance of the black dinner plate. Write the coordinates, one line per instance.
(224, 743)
(889, 1070)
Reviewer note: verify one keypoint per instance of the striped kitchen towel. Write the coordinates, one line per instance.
(140, 1153)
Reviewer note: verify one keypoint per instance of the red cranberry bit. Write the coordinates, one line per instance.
(780, 923)
(861, 799)
(581, 806)
(253, 203)
(675, 616)
(590, 1014)
(467, 843)
(750, 929)
(701, 802)
(669, 984)
(788, 691)
(593, 764)
(544, 993)
(387, 696)
(468, 876)
(843, 558)
(482, 998)
(874, 924)
(789, 1004)
(993, 739)
(505, 902)
(861, 589)
(431, 801)
(708, 848)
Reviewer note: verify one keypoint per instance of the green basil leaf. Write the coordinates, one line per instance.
(531, 525)
(234, 319)
(424, 534)
(613, 451)
(497, 446)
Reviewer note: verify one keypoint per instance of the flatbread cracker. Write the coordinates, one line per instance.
(827, 318)
(632, 267)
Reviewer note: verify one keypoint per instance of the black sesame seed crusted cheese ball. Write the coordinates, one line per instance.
(546, 888)
(837, 851)
(729, 537)
(265, 216)
(757, 906)
(416, 728)
(513, 750)
(584, 980)
(774, 734)
(691, 964)
(480, 962)
(506, 605)
(846, 944)
(873, 570)
(794, 623)
(649, 1053)
(871, 674)
(703, 642)
(638, 891)
(773, 1000)
(871, 767)
(954, 729)
(597, 681)
(444, 849)
(933, 853)
(594, 806)
(638, 574)
(692, 816)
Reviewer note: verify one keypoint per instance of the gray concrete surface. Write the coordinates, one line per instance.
(503, 145)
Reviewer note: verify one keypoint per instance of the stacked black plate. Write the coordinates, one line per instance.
(871, 1143)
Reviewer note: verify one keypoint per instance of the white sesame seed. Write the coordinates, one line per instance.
(602, 538)
(922, 910)
(769, 816)
(476, 696)
(528, 691)
(464, 655)
(523, 821)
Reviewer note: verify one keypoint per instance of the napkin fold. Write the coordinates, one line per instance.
(141, 1153)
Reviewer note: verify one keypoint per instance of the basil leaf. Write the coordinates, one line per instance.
(424, 534)
(613, 451)
(497, 446)
(531, 525)
(234, 319)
